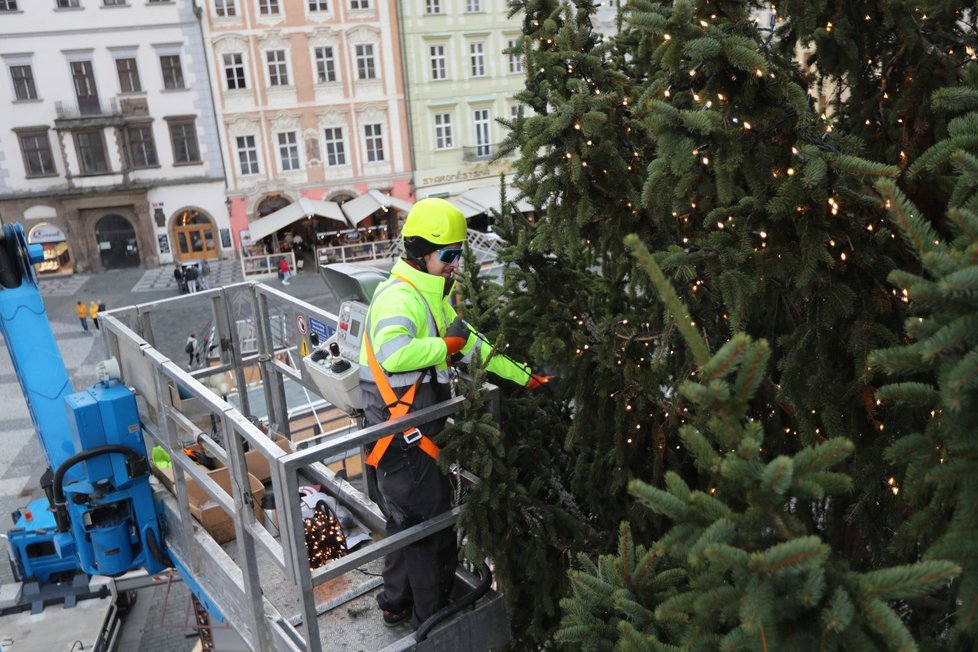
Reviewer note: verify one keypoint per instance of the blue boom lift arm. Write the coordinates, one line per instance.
(98, 514)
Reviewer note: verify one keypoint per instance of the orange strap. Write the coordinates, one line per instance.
(398, 407)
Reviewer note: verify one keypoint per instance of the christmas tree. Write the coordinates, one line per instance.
(934, 465)
(753, 176)
(742, 567)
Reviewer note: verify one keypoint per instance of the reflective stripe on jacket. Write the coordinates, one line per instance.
(406, 321)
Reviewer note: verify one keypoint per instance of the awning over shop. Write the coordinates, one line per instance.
(362, 207)
(294, 212)
(485, 199)
(387, 200)
(468, 208)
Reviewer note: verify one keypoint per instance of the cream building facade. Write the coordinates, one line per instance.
(460, 79)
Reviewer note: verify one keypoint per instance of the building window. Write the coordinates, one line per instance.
(335, 150)
(278, 72)
(183, 136)
(8, 5)
(234, 71)
(318, 5)
(288, 151)
(439, 65)
(128, 76)
(35, 147)
(268, 7)
(247, 155)
(483, 146)
(365, 61)
(90, 146)
(477, 56)
(142, 147)
(359, 4)
(374, 137)
(113, 3)
(515, 58)
(23, 78)
(433, 6)
(443, 131)
(67, 4)
(225, 8)
(325, 64)
(473, 6)
(172, 72)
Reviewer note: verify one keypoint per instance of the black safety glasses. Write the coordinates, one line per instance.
(449, 256)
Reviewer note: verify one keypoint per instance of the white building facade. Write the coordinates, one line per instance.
(109, 154)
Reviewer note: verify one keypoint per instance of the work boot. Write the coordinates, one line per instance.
(393, 618)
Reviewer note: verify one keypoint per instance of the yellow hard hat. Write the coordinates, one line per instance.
(436, 221)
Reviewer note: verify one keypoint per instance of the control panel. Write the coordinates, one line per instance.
(349, 331)
(334, 365)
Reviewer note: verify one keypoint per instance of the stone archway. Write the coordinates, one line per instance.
(194, 235)
(116, 240)
(270, 204)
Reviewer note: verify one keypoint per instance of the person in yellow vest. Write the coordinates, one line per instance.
(93, 313)
(412, 338)
(82, 311)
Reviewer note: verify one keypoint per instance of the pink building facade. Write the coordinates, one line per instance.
(310, 103)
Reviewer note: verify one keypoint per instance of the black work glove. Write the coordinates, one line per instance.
(456, 336)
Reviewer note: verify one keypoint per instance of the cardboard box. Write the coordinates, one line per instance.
(259, 466)
(192, 408)
(206, 510)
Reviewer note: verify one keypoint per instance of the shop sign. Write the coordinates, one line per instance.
(46, 233)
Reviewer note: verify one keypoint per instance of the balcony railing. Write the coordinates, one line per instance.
(94, 108)
(479, 152)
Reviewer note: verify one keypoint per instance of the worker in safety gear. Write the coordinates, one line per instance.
(93, 309)
(412, 337)
(82, 311)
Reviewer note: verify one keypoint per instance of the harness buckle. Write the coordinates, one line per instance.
(412, 436)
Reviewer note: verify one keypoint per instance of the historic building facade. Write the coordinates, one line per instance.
(310, 102)
(463, 67)
(109, 153)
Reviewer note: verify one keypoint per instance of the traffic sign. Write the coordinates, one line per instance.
(303, 347)
(300, 321)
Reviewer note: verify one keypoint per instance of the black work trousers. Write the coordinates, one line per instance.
(420, 575)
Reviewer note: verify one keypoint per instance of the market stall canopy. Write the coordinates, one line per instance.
(468, 208)
(485, 199)
(362, 207)
(294, 212)
(387, 200)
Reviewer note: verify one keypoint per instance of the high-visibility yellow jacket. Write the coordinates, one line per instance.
(81, 310)
(407, 318)
(93, 310)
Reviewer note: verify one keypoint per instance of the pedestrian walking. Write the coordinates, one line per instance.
(192, 349)
(178, 277)
(82, 311)
(191, 274)
(93, 310)
(202, 272)
(283, 270)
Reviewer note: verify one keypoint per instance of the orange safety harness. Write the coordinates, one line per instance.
(398, 407)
